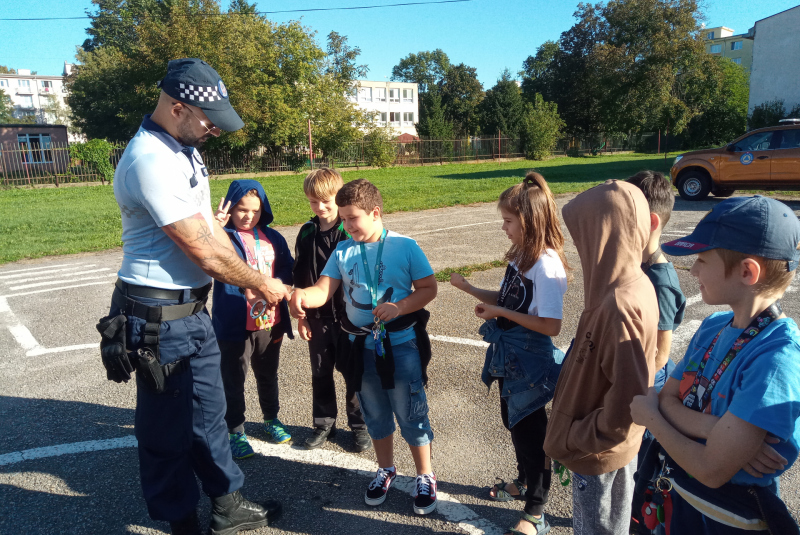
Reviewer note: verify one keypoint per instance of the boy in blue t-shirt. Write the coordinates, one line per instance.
(387, 280)
(736, 393)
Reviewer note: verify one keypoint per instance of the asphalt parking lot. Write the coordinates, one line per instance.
(68, 461)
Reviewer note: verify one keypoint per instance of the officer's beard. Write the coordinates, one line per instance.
(187, 137)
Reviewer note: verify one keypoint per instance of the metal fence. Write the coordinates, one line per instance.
(36, 162)
(24, 164)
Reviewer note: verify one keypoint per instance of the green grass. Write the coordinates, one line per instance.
(55, 221)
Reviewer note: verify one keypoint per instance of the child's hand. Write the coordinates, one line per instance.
(304, 329)
(644, 409)
(767, 460)
(386, 311)
(221, 215)
(487, 312)
(296, 304)
(459, 282)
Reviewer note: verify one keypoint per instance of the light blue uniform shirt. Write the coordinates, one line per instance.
(159, 181)
(402, 262)
(761, 385)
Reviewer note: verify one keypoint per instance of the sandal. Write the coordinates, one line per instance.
(540, 524)
(504, 496)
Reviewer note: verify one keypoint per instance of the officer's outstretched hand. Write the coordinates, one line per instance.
(113, 350)
(273, 291)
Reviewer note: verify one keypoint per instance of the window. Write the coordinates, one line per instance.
(47, 83)
(27, 101)
(408, 95)
(716, 49)
(25, 83)
(3, 83)
(394, 95)
(737, 61)
(380, 94)
(35, 148)
(736, 45)
(408, 118)
(710, 35)
(394, 116)
(365, 94)
(760, 141)
(790, 139)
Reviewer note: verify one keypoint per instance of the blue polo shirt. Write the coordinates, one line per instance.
(159, 181)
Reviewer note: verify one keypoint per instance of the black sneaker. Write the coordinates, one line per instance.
(361, 440)
(320, 436)
(378, 487)
(425, 494)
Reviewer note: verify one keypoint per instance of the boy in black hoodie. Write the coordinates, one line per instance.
(316, 242)
(243, 340)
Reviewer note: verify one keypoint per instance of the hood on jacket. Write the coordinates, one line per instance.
(610, 227)
(238, 189)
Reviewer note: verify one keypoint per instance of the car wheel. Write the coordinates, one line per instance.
(694, 186)
(723, 192)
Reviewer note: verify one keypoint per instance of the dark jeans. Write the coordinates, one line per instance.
(322, 350)
(261, 350)
(533, 465)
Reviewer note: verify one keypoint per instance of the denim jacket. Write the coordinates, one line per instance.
(527, 361)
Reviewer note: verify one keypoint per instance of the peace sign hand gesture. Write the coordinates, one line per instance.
(221, 215)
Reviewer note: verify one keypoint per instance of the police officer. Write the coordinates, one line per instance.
(158, 323)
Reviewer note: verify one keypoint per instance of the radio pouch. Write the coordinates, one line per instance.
(112, 348)
(149, 369)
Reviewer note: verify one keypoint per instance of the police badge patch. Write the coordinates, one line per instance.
(222, 89)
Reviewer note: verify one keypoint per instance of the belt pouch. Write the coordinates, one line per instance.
(150, 370)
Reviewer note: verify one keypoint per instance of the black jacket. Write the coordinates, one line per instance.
(306, 272)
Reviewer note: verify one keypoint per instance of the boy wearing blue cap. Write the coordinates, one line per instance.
(736, 394)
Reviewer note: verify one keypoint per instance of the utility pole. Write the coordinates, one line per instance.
(310, 146)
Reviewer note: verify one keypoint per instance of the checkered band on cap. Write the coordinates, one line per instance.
(199, 93)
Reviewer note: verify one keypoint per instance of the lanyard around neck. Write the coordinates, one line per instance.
(258, 260)
(373, 288)
(759, 323)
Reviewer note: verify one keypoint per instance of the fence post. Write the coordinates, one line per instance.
(3, 162)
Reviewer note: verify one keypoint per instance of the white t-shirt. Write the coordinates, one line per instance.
(537, 292)
(155, 184)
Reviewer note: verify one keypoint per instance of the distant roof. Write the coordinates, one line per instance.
(406, 138)
(29, 125)
(778, 13)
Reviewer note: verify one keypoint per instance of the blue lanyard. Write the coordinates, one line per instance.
(258, 260)
(373, 288)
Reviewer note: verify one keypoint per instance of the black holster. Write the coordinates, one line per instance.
(149, 369)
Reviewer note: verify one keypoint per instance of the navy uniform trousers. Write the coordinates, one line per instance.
(182, 431)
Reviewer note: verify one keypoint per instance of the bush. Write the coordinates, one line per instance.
(379, 150)
(767, 114)
(95, 154)
(541, 128)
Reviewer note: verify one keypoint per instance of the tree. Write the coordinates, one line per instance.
(425, 69)
(115, 22)
(767, 114)
(53, 112)
(435, 125)
(502, 108)
(6, 70)
(461, 95)
(537, 71)
(6, 109)
(726, 116)
(542, 128)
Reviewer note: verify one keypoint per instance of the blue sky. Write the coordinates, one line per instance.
(487, 34)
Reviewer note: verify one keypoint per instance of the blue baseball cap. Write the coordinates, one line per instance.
(756, 225)
(193, 81)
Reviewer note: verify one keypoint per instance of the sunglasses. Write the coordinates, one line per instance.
(212, 130)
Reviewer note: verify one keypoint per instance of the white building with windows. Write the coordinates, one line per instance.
(776, 60)
(395, 104)
(31, 94)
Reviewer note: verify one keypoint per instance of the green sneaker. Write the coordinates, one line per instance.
(240, 447)
(276, 432)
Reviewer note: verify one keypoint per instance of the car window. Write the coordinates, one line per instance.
(760, 141)
(790, 139)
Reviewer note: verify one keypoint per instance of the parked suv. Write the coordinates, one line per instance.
(765, 159)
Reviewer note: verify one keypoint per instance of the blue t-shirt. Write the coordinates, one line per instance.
(402, 262)
(159, 181)
(671, 301)
(761, 385)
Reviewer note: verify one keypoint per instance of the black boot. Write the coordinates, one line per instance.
(231, 513)
(188, 526)
(361, 440)
(320, 436)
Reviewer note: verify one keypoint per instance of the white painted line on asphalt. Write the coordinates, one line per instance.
(462, 341)
(6, 274)
(67, 449)
(693, 300)
(683, 334)
(73, 273)
(20, 333)
(450, 228)
(53, 283)
(48, 290)
(39, 350)
(450, 508)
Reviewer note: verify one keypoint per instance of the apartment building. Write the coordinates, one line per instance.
(721, 41)
(31, 94)
(396, 104)
(776, 60)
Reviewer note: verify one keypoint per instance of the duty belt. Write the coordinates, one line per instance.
(156, 314)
